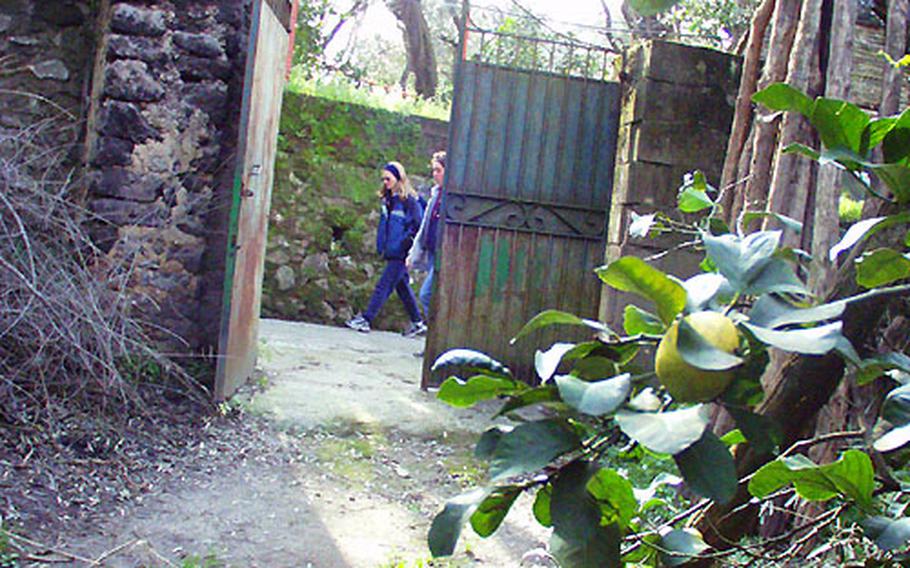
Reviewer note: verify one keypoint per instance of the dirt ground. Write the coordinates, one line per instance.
(337, 459)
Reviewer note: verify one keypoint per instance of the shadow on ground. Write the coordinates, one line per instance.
(346, 463)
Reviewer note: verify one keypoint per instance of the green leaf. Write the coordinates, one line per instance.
(893, 439)
(691, 200)
(787, 222)
(470, 360)
(781, 97)
(749, 264)
(887, 534)
(870, 369)
(637, 320)
(771, 311)
(488, 441)
(696, 351)
(594, 398)
(702, 290)
(776, 276)
(531, 446)
(492, 510)
(875, 132)
(680, 546)
(447, 524)
(537, 395)
(852, 476)
(579, 539)
(840, 124)
(762, 433)
(746, 389)
(652, 7)
(615, 495)
(541, 507)
(555, 317)
(896, 141)
(810, 341)
(665, 432)
(546, 362)
(733, 437)
(803, 150)
(631, 274)
(881, 267)
(594, 368)
(896, 410)
(856, 232)
(708, 468)
(896, 177)
(462, 394)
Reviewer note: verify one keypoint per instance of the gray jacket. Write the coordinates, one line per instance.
(419, 256)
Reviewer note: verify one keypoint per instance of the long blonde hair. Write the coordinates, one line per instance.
(402, 188)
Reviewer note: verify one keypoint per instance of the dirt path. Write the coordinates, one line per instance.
(346, 464)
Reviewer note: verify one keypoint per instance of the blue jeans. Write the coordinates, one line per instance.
(426, 289)
(394, 277)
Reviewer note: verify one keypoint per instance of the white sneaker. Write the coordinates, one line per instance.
(359, 323)
(416, 328)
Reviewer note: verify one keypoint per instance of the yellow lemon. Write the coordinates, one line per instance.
(685, 382)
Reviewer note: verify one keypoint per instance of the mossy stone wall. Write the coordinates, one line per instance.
(321, 264)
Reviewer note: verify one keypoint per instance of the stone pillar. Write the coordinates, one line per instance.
(161, 144)
(677, 108)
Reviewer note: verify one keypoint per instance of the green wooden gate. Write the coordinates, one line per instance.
(263, 87)
(528, 186)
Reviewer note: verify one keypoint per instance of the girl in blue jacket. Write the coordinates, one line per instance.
(400, 218)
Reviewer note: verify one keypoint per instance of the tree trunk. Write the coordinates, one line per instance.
(793, 178)
(739, 133)
(421, 58)
(817, 60)
(753, 195)
(895, 46)
(837, 85)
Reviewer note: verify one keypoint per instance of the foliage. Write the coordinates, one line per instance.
(601, 514)
(344, 91)
(309, 38)
(322, 220)
(718, 23)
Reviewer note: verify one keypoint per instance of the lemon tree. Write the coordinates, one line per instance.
(624, 462)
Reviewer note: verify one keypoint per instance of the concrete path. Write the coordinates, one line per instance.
(324, 376)
(340, 461)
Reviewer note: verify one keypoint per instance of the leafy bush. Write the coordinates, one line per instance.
(604, 512)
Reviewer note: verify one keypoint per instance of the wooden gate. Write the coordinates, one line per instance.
(263, 87)
(528, 186)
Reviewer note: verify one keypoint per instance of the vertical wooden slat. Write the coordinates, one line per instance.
(516, 139)
(477, 145)
(552, 138)
(565, 186)
(533, 138)
(496, 124)
(461, 128)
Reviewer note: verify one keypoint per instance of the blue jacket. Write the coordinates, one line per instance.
(398, 224)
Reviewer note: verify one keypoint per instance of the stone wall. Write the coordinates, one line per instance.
(677, 108)
(321, 263)
(161, 142)
(45, 64)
